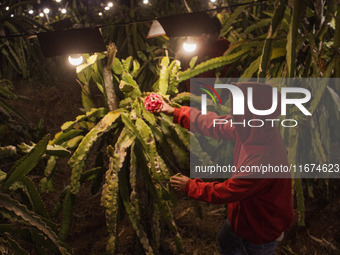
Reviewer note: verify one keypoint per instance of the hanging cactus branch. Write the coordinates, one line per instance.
(112, 100)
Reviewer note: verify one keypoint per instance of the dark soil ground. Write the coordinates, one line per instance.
(61, 102)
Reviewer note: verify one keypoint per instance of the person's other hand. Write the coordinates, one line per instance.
(167, 109)
(178, 182)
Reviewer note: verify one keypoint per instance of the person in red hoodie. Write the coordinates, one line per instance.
(259, 209)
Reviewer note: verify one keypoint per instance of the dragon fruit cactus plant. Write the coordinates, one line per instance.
(153, 102)
(143, 145)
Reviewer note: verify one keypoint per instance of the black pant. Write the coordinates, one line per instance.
(230, 244)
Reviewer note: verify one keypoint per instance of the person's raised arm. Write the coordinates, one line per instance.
(210, 124)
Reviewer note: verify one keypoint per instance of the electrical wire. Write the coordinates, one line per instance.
(141, 21)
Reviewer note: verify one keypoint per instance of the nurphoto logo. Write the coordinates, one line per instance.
(238, 105)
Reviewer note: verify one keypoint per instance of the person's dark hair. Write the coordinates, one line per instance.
(215, 25)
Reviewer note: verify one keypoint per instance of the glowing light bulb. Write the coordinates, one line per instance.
(145, 1)
(41, 14)
(110, 4)
(100, 14)
(63, 11)
(12, 15)
(75, 59)
(30, 11)
(107, 8)
(7, 8)
(189, 46)
(213, 1)
(46, 11)
(58, 1)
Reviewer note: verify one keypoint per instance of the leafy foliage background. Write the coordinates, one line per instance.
(129, 147)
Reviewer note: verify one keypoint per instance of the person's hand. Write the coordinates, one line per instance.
(179, 181)
(167, 109)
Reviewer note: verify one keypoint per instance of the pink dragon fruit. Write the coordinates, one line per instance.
(153, 102)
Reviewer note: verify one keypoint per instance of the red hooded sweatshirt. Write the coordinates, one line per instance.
(259, 209)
